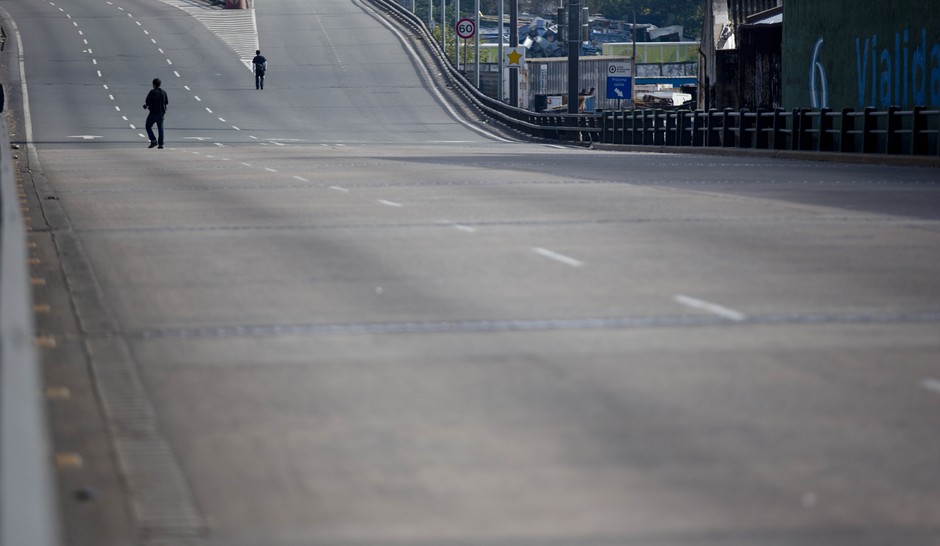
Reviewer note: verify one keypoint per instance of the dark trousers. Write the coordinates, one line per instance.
(259, 80)
(152, 118)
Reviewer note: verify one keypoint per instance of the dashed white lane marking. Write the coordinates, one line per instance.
(147, 32)
(466, 229)
(236, 128)
(222, 120)
(302, 179)
(931, 385)
(152, 40)
(338, 188)
(99, 74)
(118, 108)
(94, 61)
(161, 51)
(133, 127)
(552, 255)
(253, 137)
(124, 118)
(197, 98)
(208, 109)
(246, 164)
(186, 87)
(111, 97)
(713, 308)
(390, 203)
(270, 170)
(85, 40)
(168, 61)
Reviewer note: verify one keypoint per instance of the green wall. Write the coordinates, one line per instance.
(853, 54)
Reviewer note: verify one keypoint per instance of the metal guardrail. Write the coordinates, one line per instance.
(535, 124)
(27, 515)
(892, 131)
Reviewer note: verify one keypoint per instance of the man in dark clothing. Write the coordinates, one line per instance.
(259, 64)
(156, 102)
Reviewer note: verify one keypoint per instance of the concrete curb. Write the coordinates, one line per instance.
(832, 157)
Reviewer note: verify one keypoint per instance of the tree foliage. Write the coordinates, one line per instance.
(661, 13)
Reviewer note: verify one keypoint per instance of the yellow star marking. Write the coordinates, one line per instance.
(514, 57)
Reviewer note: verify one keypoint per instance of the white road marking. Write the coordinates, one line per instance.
(178, 76)
(161, 51)
(99, 73)
(390, 203)
(557, 257)
(152, 40)
(138, 23)
(94, 61)
(270, 170)
(134, 128)
(106, 88)
(186, 87)
(80, 33)
(118, 108)
(142, 135)
(208, 109)
(253, 137)
(931, 385)
(338, 188)
(85, 40)
(222, 120)
(147, 33)
(219, 144)
(246, 164)
(168, 61)
(197, 98)
(713, 308)
(111, 97)
(124, 118)
(302, 179)
(236, 128)
(466, 229)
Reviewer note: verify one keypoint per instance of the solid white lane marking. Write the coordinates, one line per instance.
(302, 179)
(557, 257)
(390, 203)
(713, 308)
(338, 188)
(931, 385)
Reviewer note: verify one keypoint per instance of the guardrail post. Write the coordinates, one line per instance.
(744, 125)
(710, 138)
(869, 137)
(697, 139)
(847, 131)
(680, 128)
(726, 128)
(893, 139)
(670, 131)
(634, 130)
(659, 127)
(824, 144)
(918, 126)
(760, 138)
(779, 137)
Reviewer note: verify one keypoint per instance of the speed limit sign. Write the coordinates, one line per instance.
(466, 28)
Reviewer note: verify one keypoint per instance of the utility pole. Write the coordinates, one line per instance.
(499, 52)
(514, 42)
(574, 47)
(476, 40)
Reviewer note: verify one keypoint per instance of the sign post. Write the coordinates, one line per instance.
(466, 29)
(620, 81)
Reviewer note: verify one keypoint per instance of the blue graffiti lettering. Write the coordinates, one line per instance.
(899, 76)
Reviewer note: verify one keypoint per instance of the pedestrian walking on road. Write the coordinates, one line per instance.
(156, 102)
(260, 65)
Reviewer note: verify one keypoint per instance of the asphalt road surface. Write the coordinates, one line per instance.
(333, 313)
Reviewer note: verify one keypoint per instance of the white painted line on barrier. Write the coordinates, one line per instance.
(931, 385)
(713, 308)
(550, 254)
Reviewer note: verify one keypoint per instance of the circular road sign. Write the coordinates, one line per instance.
(466, 28)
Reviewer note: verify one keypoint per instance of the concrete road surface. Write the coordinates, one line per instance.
(333, 313)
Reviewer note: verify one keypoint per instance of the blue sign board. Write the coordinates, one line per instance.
(620, 81)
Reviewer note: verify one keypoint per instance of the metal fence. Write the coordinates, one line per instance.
(892, 131)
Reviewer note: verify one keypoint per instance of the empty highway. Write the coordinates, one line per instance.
(334, 312)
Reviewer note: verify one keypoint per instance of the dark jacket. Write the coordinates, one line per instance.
(157, 101)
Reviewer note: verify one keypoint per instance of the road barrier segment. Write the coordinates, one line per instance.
(27, 507)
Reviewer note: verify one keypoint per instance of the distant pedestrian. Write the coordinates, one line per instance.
(260, 65)
(156, 102)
